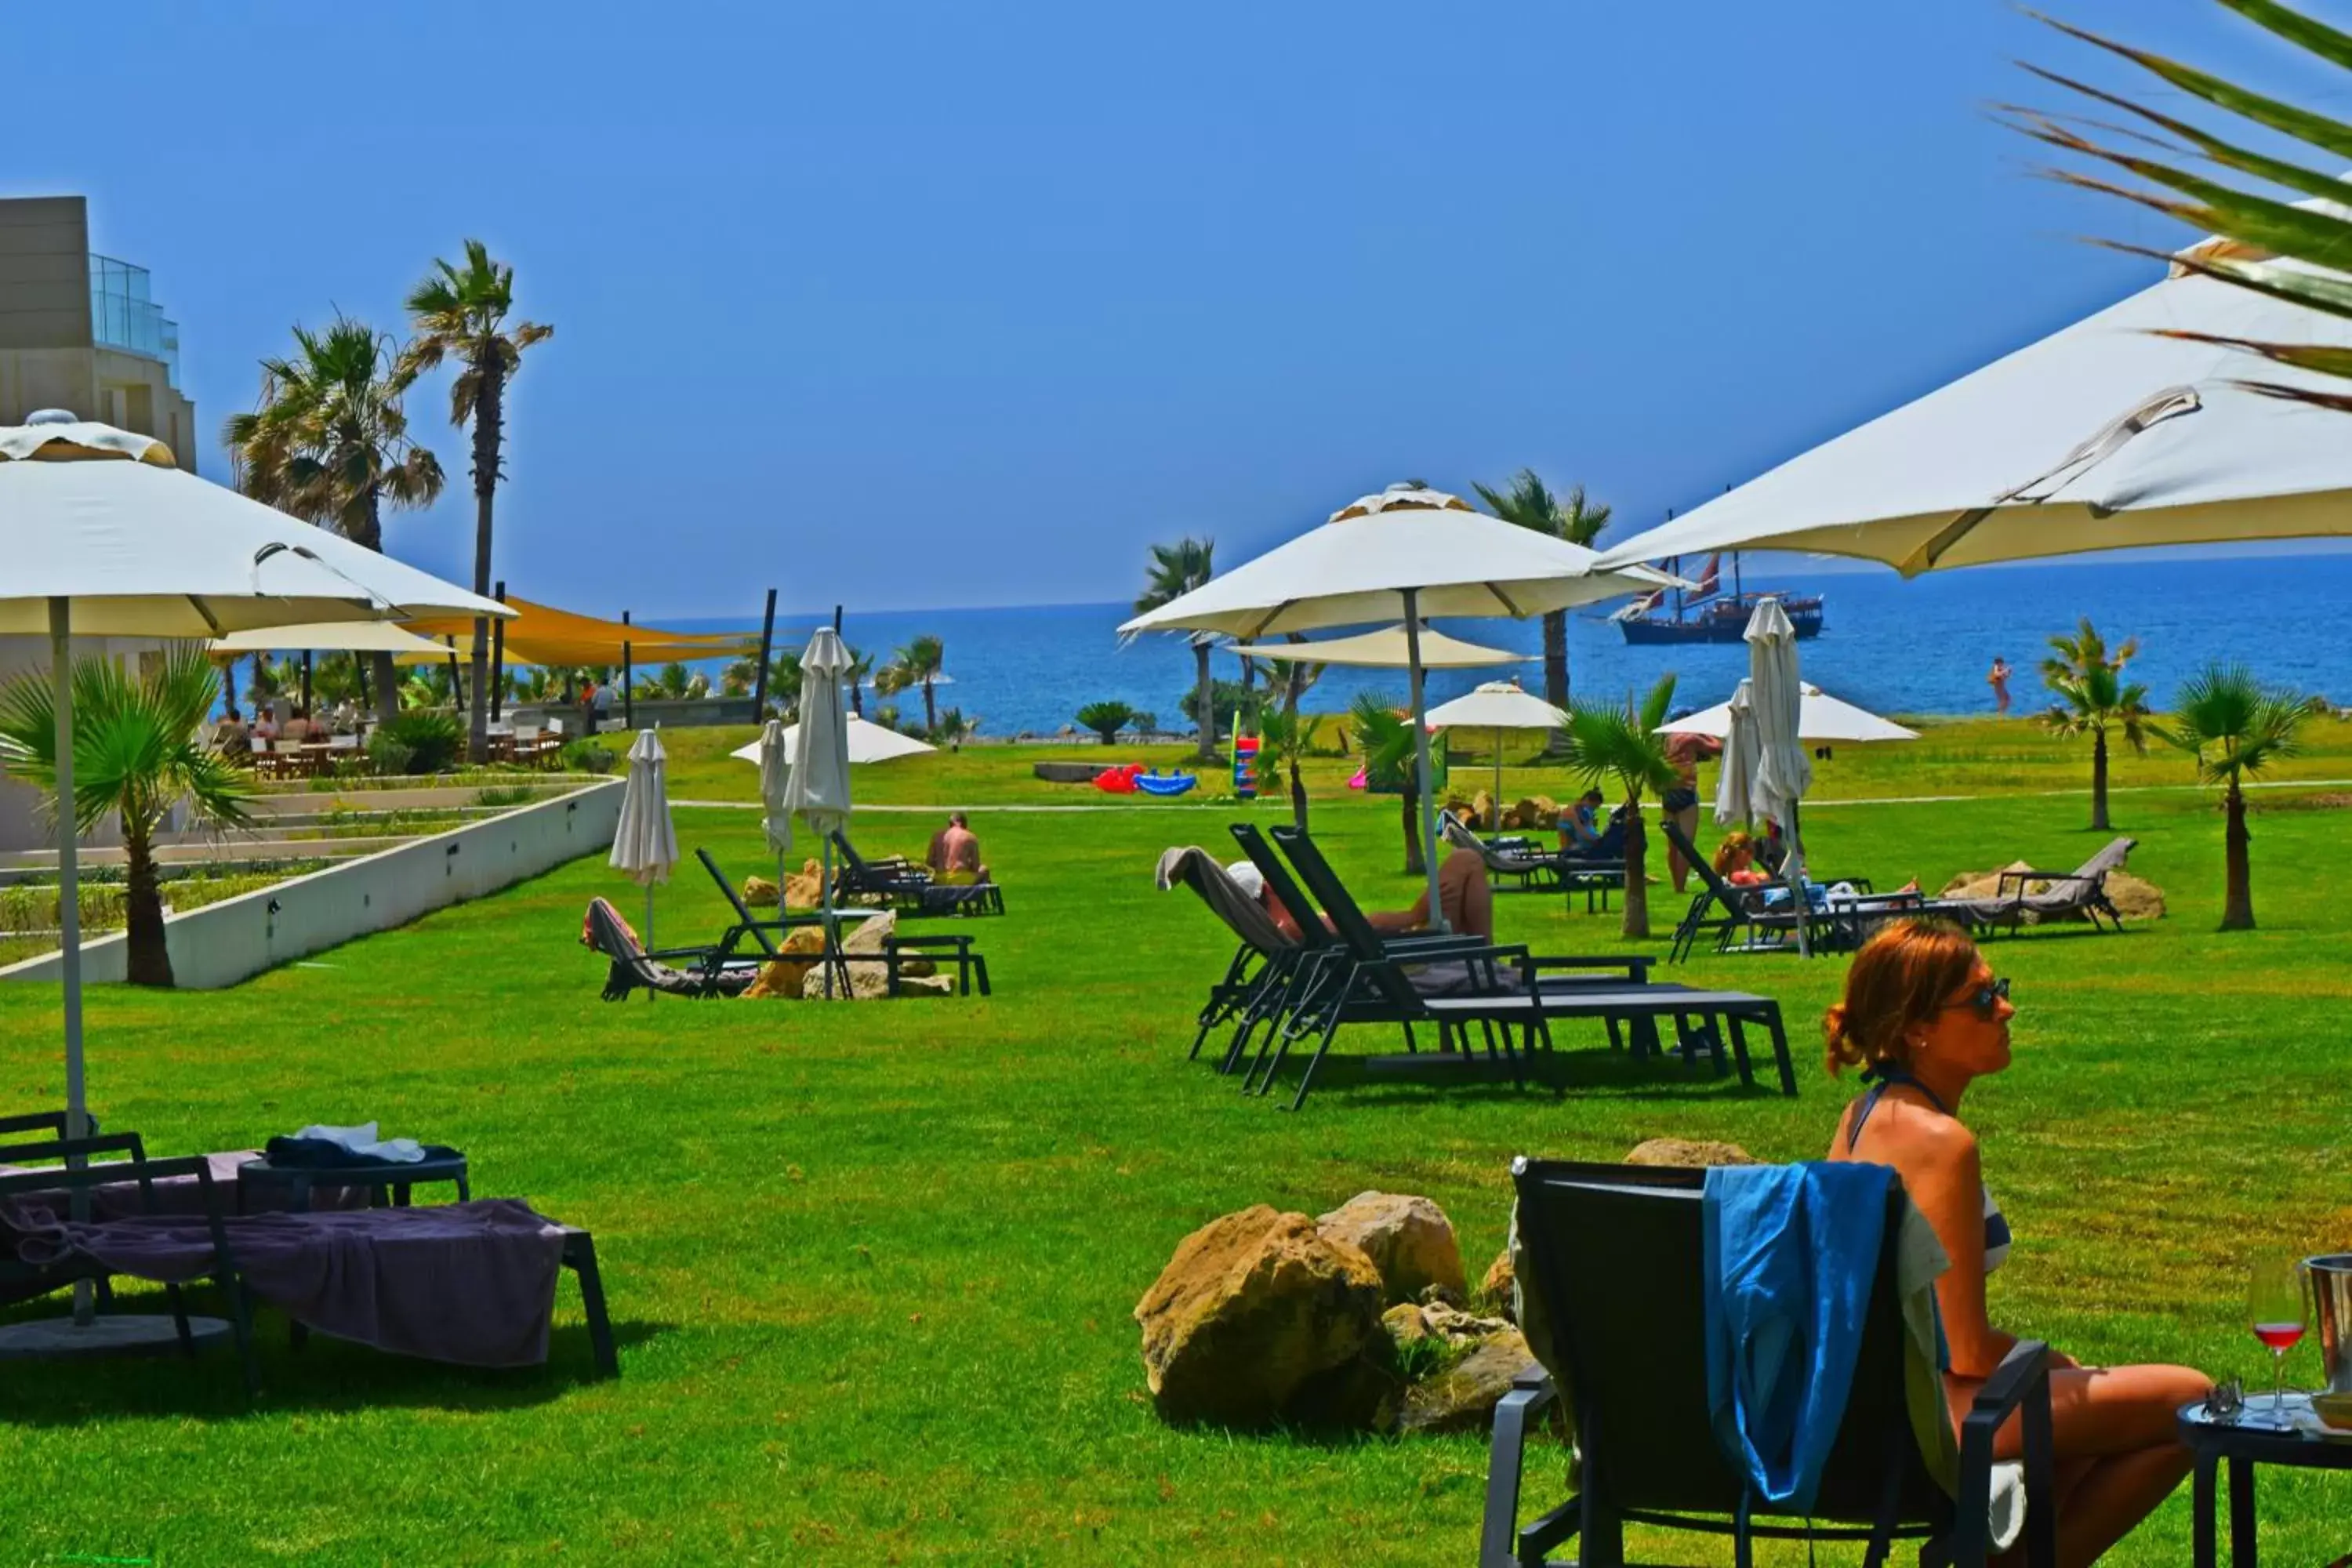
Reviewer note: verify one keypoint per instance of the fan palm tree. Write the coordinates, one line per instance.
(138, 750)
(1609, 743)
(2263, 228)
(1529, 502)
(461, 314)
(919, 664)
(861, 667)
(1384, 736)
(1283, 740)
(2094, 699)
(2235, 727)
(1175, 570)
(328, 443)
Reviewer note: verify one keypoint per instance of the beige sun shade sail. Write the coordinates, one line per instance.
(1383, 649)
(2100, 437)
(542, 634)
(104, 519)
(341, 636)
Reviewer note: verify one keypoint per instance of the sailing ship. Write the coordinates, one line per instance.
(1705, 613)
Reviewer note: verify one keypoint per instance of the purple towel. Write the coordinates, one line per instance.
(184, 1195)
(470, 1283)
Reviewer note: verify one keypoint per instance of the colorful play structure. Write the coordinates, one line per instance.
(1244, 763)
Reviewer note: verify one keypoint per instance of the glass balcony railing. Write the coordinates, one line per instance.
(123, 316)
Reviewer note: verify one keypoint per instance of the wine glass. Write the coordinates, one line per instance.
(2279, 1308)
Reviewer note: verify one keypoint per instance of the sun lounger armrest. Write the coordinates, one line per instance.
(1515, 1413)
(2001, 889)
(67, 1178)
(1635, 966)
(2020, 1386)
(75, 1147)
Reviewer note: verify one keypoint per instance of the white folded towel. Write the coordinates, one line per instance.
(362, 1141)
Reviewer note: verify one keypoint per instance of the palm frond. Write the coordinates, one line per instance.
(2315, 130)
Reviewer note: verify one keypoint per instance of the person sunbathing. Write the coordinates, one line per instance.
(955, 855)
(1463, 893)
(1924, 1017)
(1735, 861)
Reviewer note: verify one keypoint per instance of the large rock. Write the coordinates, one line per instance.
(1463, 1398)
(1259, 1318)
(804, 890)
(1408, 1238)
(1495, 1291)
(869, 980)
(784, 976)
(1694, 1154)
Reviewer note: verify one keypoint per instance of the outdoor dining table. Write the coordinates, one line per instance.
(2246, 1443)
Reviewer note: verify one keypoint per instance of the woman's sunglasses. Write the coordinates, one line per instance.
(1987, 1000)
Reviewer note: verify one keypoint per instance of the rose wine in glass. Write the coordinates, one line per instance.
(2278, 1307)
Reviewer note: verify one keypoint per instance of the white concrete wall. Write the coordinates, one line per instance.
(223, 944)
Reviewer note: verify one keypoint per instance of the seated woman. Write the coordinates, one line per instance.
(1579, 826)
(1735, 861)
(1924, 1017)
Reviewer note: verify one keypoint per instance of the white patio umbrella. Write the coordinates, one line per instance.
(1407, 551)
(645, 843)
(866, 742)
(818, 787)
(1498, 706)
(1819, 718)
(1385, 649)
(105, 535)
(2100, 437)
(1783, 771)
(1735, 784)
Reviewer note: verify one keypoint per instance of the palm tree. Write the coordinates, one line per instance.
(1609, 743)
(137, 752)
(328, 443)
(1106, 719)
(1283, 739)
(2235, 727)
(1176, 570)
(861, 666)
(1530, 503)
(462, 315)
(1384, 736)
(919, 664)
(2263, 228)
(2093, 698)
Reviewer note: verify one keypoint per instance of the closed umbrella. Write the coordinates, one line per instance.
(819, 786)
(773, 753)
(1408, 551)
(105, 535)
(1783, 771)
(2103, 435)
(1498, 706)
(645, 844)
(1735, 787)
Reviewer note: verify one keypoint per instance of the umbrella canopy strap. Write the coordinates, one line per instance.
(1420, 758)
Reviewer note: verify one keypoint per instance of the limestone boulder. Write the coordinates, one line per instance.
(2136, 897)
(1694, 1154)
(1494, 1292)
(1537, 811)
(1261, 1318)
(1463, 1398)
(872, 935)
(783, 976)
(804, 890)
(1408, 1238)
(760, 893)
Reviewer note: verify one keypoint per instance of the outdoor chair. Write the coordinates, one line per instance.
(1770, 924)
(632, 968)
(906, 887)
(2064, 896)
(1612, 1284)
(1257, 977)
(1521, 867)
(899, 952)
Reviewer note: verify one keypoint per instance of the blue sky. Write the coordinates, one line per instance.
(931, 305)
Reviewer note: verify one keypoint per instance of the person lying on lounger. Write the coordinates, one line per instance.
(1925, 1017)
(1463, 893)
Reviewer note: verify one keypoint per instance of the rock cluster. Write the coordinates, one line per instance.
(2137, 898)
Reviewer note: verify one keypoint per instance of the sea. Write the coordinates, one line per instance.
(1920, 647)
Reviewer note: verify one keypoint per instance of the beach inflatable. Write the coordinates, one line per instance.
(1360, 781)
(1120, 780)
(1165, 784)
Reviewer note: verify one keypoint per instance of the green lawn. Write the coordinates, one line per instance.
(873, 1265)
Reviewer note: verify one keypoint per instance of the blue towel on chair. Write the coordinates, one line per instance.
(1791, 1254)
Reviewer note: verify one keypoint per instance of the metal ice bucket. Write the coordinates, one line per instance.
(2331, 1293)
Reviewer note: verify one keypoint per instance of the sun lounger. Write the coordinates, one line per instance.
(1258, 976)
(1765, 920)
(901, 951)
(906, 887)
(1507, 987)
(707, 972)
(1518, 867)
(2043, 897)
(469, 1283)
(1611, 1279)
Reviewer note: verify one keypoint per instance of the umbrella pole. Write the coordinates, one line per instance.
(1496, 825)
(85, 1307)
(1420, 758)
(824, 907)
(1796, 869)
